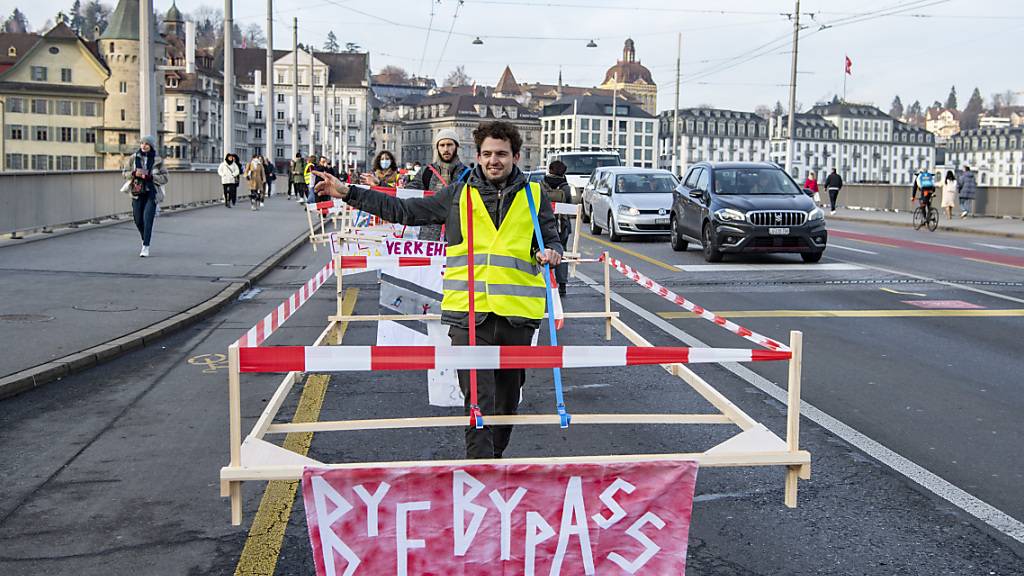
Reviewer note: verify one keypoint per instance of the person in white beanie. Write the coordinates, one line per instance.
(444, 170)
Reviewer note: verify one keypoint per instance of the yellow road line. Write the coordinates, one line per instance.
(847, 313)
(632, 253)
(873, 242)
(891, 291)
(263, 545)
(993, 262)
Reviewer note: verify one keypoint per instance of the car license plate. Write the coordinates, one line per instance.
(778, 231)
(661, 220)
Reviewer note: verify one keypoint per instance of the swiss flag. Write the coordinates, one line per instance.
(849, 66)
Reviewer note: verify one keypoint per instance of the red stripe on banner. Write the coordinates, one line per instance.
(272, 359)
(769, 355)
(353, 262)
(260, 334)
(667, 355)
(719, 320)
(402, 358)
(531, 356)
(697, 310)
(772, 343)
(273, 322)
(744, 332)
(325, 204)
(414, 261)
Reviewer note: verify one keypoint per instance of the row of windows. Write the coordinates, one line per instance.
(990, 143)
(722, 128)
(50, 133)
(41, 74)
(58, 107)
(595, 124)
(48, 162)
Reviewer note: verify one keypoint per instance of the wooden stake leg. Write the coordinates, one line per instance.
(236, 503)
(793, 473)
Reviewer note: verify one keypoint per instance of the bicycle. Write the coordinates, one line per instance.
(925, 214)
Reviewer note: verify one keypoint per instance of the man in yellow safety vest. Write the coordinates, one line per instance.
(509, 289)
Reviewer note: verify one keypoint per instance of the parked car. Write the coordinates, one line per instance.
(579, 166)
(746, 207)
(630, 201)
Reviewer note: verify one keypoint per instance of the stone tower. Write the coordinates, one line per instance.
(119, 47)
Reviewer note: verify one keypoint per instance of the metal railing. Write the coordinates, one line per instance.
(990, 201)
(46, 200)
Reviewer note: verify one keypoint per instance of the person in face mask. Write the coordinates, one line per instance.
(446, 169)
(385, 171)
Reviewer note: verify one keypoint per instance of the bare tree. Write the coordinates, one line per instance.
(458, 77)
(393, 74)
(254, 36)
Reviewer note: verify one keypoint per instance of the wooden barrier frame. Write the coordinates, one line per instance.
(254, 458)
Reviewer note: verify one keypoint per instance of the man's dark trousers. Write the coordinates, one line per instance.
(497, 390)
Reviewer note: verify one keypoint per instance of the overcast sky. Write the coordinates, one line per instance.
(736, 53)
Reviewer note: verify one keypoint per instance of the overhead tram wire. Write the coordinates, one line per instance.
(426, 40)
(448, 37)
(770, 47)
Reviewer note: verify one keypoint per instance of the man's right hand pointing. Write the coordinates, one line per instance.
(330, 185)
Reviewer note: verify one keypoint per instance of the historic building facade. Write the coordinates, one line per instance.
(53, 89)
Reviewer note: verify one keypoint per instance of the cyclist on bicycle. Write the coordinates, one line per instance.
(925, 184)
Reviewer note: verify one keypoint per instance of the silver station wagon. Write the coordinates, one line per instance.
(629, 201)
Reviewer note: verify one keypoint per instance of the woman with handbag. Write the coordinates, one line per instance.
(146, 176)
(257, 180)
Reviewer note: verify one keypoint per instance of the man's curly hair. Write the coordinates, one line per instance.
(499, 130)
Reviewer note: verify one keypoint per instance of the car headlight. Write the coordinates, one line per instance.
(816, 214)
(629, 210)
(727, 214)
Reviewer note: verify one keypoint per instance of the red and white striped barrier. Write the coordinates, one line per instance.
(271, 322)
(374, 262)
(363, 358)
(688, 305)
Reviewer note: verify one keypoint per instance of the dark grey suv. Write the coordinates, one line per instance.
(746, 207)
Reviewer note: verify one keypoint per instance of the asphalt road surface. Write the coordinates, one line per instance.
(912, 390)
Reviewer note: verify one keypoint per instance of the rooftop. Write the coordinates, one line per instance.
(593, 106)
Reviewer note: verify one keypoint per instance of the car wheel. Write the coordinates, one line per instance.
(612, 234)
(711, 252)
(594, 228)
(812, 257)
(676, 239)
(585, 215)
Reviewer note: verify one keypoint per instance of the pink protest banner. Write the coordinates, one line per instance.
(507, 519)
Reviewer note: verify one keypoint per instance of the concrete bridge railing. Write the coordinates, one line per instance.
(990, 201)
(39, 200)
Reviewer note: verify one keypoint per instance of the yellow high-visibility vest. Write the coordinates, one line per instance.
(507, 279)
(307, 173)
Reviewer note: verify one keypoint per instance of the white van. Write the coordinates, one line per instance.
(580, 165)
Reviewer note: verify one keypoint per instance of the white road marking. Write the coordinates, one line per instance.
(958, 497)
(945, 245)
(763, 267)
(999, 246)
(834, 245)
(945, 283)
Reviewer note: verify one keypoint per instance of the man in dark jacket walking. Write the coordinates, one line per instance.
(511, 301)
(834, 183)
(967, 188)
(446, 169)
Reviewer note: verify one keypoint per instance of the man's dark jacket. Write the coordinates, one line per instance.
(443, 208)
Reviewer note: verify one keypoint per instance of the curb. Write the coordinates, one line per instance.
(942, 228)
(38, 375)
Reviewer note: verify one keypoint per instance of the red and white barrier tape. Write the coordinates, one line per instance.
(271, 322)
(688, 305)
(362, 358)
(350, 262)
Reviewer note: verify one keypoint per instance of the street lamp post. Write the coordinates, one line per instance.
(229, 78)
(792, 92)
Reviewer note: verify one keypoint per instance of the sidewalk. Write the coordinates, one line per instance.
(1005, 227)
(76, 299)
